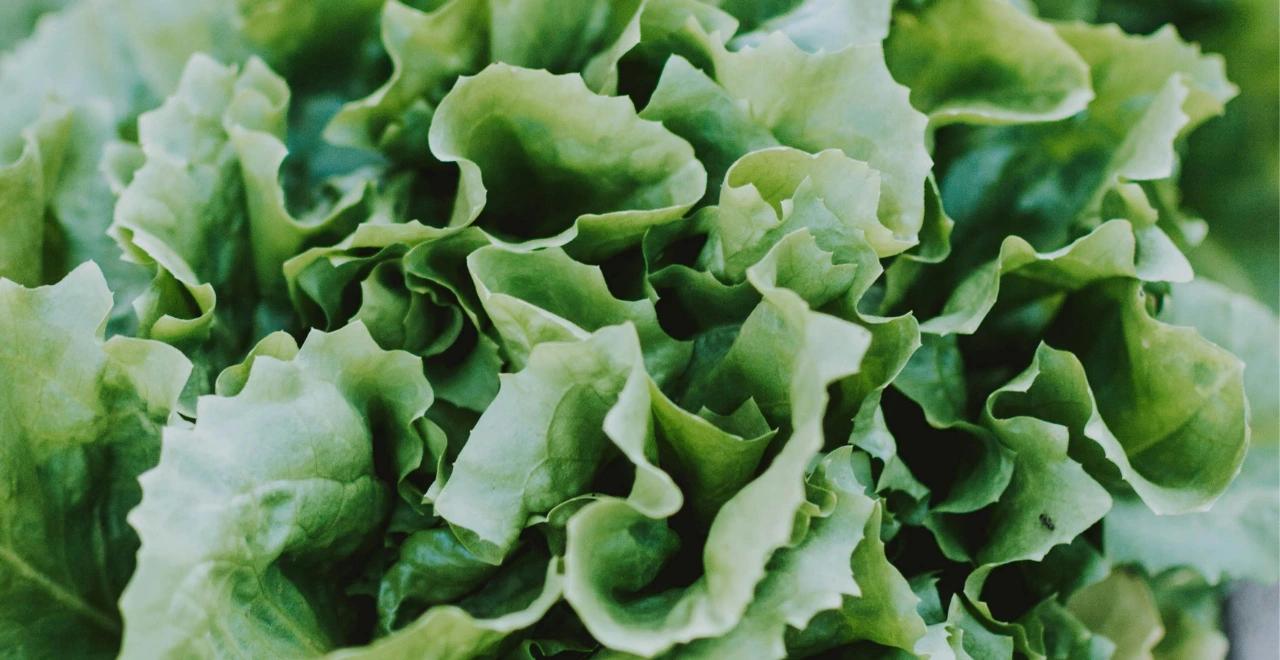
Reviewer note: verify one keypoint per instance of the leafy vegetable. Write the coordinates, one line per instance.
(627, 328)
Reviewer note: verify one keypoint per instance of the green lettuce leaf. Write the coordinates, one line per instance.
(1189, 612)
(1050, 499)
(642, 328)
(290, 479)
(828, 25)
(430, 50)
(1169, 407)
(1234, 538)
(957, 72)
(557, 162)
(26, 183)
(614, 549)
(542, 440)
(1122, 609)
(1115, 249)
(71, 477)
(19, 18)
(1044, 181)
(480, 623)
(806, 579)
(183, 211)
(525, 295)
(410, 286)
(885, 611)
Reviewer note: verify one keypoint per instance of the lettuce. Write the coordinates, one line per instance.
(634, 328)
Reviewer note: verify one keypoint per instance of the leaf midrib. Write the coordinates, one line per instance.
(57, 592)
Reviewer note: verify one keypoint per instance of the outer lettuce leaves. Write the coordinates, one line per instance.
(70, 475)
(1036, 180)
(956, 72)
(430, 50)
(790, 93)
(206, 209)
(1170, 406)
(1114, 249)
(555, 161)
(104, 61)
(285, 477)
(1235, 538)
(613, 382)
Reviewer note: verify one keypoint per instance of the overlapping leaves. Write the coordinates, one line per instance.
(631, 328)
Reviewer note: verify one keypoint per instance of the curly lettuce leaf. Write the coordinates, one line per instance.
(290, 478)
(1050, 499)
(828, 25)
(770, 193)
(1122, 609)
(614, 549)
(1114, 249)
(75, 63)
(1234, 538)
(71, 476)
(526, 296)
(542, 440)
(27, 182)
(276, 233)
(430, 50)
(183, 210)
(408, 284)
(18, 18)
(805, 579)
(1169, 406)
(1189, 612)
(944, 51)
(1044, 181)
(542, 157)
(885, 611)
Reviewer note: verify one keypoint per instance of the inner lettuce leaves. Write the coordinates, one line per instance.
(618, 329)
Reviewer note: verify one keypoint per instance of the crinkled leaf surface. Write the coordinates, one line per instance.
(70, 479)
(285, 479)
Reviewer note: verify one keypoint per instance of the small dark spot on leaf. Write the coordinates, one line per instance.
(1047, 522)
